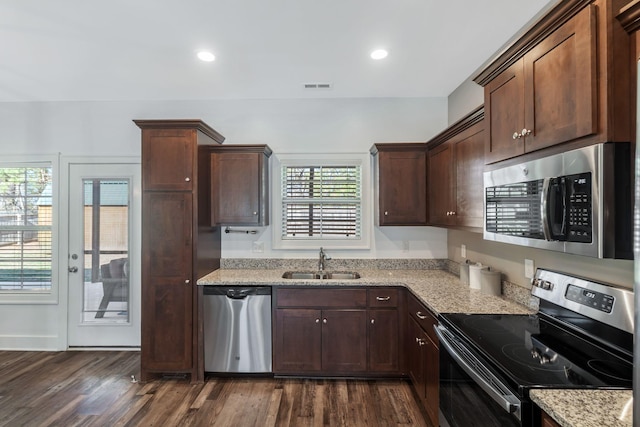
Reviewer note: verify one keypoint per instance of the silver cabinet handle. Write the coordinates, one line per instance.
(317, 320)
(255, 213)
(386, 212)
(373, 321)
(73, 269)
(420, 315)
(186, 282)
(187, 179)
(525, 132)
(324, 321)
(516, 135)
(383, 298)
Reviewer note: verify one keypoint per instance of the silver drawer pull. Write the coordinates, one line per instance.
(383, 298)
(420, 315)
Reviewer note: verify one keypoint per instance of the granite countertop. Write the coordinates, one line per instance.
(586, 408)
(439, 290)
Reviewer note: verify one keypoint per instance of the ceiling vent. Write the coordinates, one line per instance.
(317, 85)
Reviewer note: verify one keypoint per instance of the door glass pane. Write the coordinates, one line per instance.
(106, 248)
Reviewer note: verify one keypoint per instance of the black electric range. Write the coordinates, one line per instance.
(581, 337)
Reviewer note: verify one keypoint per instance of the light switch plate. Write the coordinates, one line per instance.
(528, 268)
(463, 251)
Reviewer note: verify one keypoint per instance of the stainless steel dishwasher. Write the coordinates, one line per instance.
(237, 329)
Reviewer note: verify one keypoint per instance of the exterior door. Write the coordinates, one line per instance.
(103, 259)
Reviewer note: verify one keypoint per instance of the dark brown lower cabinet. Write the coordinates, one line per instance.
(334, 331)
(344, 341)
(547, 421)
(423, 357)
(297, 340)
(384, 340)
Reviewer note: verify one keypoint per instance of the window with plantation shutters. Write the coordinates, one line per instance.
(321, 202)
(25, 228)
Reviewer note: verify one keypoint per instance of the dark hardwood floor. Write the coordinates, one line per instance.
(95, 389)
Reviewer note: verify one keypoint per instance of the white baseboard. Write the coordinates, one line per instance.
(30, 343)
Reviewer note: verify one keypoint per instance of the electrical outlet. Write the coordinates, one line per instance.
(463, 251)
(528, 268)
(257, 247)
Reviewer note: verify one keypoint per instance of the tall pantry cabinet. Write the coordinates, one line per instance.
(179, 245)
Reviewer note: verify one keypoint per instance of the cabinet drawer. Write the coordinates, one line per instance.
(321, 297)
(423, 316)
(383, 297)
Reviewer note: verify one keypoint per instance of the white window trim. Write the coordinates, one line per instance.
(50, 296)
(305, 159)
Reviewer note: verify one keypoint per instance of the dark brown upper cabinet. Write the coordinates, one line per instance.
(240, 185)
(400, 171)
(455, 166)
(565, 81)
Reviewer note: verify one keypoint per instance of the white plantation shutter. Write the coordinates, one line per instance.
(25, 228)
(321, 202)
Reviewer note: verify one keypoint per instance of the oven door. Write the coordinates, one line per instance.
(470, 393)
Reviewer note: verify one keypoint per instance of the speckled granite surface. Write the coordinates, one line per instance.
(439, 290)
(586, 408)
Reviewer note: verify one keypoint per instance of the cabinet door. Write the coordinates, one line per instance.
(431, 379)
(469, 167)
(560, 84)
(402, 187)
(344, 341)
(167, 282)
(297, 341)
(384, 340)
(441, 189)
(415, 363)
(168, 159)
(236, 188)
(504, 114)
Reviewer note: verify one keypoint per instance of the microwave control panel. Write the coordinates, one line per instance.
(578, 193)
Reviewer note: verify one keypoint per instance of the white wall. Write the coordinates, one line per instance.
(302, 126)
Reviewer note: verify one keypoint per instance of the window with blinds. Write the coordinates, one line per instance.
(321, 202)
(25, 228)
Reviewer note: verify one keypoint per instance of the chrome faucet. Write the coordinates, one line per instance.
(321, 261)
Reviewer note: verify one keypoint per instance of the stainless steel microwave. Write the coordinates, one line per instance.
(577, 202)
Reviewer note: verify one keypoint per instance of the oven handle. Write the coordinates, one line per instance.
(480, 375)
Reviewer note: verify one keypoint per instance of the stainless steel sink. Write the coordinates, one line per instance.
(349, 275)
(301, 275)
(319, 275)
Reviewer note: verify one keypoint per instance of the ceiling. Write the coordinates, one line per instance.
(146, 49)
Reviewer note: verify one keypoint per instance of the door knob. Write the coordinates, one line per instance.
(73, 269)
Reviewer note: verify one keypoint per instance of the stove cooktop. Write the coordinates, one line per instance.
(531, 351)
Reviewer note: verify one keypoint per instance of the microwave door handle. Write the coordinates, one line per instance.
(563, 185)
(544, 209)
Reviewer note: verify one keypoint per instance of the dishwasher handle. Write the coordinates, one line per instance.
(241, 293)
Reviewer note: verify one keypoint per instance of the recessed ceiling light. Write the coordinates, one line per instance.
(379, 54)
(206, 56)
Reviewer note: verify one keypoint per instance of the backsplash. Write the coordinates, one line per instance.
(333, 264)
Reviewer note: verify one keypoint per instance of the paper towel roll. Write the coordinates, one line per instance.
(474, 275)
(490, 282)
(464, 272)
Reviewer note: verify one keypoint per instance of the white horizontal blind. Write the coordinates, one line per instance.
(25, 228)
(321, 202)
